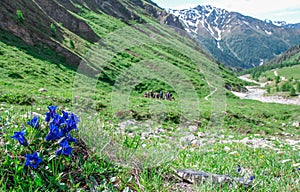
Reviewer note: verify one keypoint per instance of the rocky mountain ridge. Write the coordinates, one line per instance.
(235, 39)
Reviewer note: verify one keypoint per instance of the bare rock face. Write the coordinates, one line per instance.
(173, 21)
(12, 24)
(61, 15)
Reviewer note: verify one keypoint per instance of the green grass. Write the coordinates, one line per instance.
(287, 72)
(290, 72)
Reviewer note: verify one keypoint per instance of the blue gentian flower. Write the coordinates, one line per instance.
(251, 177)
(58, 120)
(239, 168)
(70, 124)
(64, 149)
(20, 136)
(48, 117)
(52, 110)
(298, 169)
(54, 133)
(69, 138)
(34, 122)
(51, 113)
(75, 118)
(32, 160)
(65, 115)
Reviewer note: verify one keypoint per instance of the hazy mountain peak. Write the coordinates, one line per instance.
(236, 39)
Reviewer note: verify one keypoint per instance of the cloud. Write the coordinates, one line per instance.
(185, 6)
(254, 7)
(287, 10)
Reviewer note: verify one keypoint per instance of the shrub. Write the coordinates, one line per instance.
(20, 16)
(53, 29)
(71, 44)
(286, 87)
(292, 91)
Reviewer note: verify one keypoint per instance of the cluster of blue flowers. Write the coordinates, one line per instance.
(60, 127)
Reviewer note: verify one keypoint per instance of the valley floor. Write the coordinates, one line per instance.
(258, 93)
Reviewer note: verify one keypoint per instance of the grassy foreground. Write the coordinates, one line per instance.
(259, 137)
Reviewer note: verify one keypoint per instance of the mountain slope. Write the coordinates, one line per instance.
(235, 39)
(61, 34)
(291, 56)
(285, 61)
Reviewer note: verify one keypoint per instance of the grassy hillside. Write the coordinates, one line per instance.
(289, 58)
(126, 141)
(282, 73)
(287, 72)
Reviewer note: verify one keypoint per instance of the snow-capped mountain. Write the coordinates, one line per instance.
(236, 39)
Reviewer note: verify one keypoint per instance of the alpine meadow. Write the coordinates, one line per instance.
(124, 95)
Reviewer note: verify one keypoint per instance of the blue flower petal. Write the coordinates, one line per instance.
(65, 149)
(52, 110)
(54, 133)
(34, 122)
(33, 160)
(251, 177)
(20, 136)
(48, 117)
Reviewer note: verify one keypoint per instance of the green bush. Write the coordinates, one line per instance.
(20, 16)
(53, 29)
(71, 44)
(20, 99)
(298, 87)
(292, 91)
(286, 87)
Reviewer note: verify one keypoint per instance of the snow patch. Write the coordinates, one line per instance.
(268, 32)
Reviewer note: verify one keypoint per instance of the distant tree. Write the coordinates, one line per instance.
(20, 16)
(292, 91)
(286, 87)
(277, 79)
(71, 44)
(298, 87)
(53, 29)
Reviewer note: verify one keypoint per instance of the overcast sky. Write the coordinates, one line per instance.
(275, 10)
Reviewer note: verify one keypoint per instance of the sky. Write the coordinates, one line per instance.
(275, 10)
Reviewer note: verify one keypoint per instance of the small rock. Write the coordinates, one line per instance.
(296, 124)
(193, 128)
(188, 139)
(201, 134)
(42, 90)
(234, 153)
(196, 143)
(296, 165)
(145, 135)
(286, 160)
(226, 149)
(159, 130)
